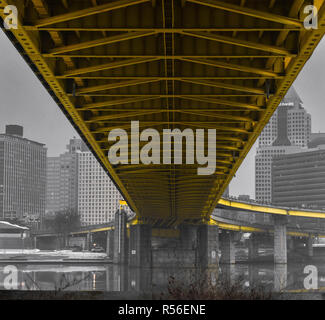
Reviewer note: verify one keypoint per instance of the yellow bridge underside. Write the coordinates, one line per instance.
(198, 64)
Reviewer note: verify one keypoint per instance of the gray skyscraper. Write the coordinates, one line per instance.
(62, 179)
(22, 175)
(98, 198)
(76, 181)
(288, 131)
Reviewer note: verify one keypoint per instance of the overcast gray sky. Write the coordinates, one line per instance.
(24, 101)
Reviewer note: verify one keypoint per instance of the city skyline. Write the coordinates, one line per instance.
(17, 82)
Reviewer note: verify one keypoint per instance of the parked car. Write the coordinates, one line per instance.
(97, 249)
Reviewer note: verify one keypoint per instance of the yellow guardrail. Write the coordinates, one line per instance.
(271, 210)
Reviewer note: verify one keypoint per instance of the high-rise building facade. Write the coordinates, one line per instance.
(52, 185)
(77, 182)
(299, 179)
(62, 179)
(22, 175)
(298, 122)
(98, 198)
(288, 131)
(263, 169)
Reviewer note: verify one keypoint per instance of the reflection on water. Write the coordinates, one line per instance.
(103, 277)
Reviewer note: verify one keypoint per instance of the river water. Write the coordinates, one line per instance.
(108, 277)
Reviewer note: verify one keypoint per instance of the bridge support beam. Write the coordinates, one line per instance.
(280, 276)
(140, 246)
(227, 247)
(188, 236)
(291, 245)
(253, 243)
(253, 275)
(228, 273)
(207, 246)
(110, 244)
(280, 239)
(88, 241)
(310, 249)
(120, 238)
(34, 242)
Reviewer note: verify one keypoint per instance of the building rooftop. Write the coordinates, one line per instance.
(4, 135)
(292, 96)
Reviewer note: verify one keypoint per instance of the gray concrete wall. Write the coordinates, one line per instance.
(171, 257)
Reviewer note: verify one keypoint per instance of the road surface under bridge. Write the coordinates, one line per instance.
(168, 64)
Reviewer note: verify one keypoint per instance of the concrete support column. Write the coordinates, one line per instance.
(88, 241)
(310, 249)
(140, 246)
(207, 246)
(280, 276)
(280, 239)
(34, 242)
(253, 275)
(290, 244)
(120, 238)
(253, 243)
(119, 278)
(228, 274)
(110, 244)
(67, 240)
(227, 247)
(188, 236)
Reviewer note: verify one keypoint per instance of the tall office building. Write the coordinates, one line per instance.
(288, 131)
(62, 179)
(98, 198)
(263, 169)
(22, 175)
(299, 179)
(76, 181)
(292, 117)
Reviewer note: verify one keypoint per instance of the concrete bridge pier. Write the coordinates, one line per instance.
(120, 238)
(89, 241)
(227, 247)
(253, 275)
(310, 249)
(140, 254)
(253, 243)
(228, 274)
(188, 236)
(280, 276)
(280, 239)
(291, 245)
(110, 244)
(34, 242)
(207, 246)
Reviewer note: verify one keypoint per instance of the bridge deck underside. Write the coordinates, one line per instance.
(198, 64)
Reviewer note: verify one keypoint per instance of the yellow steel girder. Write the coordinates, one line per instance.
(199, 64)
